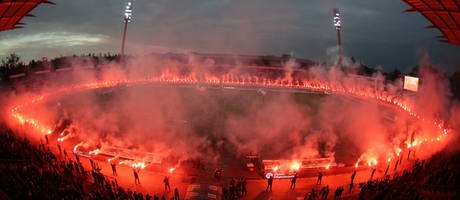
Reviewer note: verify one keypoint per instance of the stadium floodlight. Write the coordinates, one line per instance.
(128, 11)
(128, 15)
(338, 24)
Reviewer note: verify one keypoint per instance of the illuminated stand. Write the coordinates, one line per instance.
(337, 25)
(128, 17)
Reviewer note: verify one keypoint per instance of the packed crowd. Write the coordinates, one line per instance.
(440, 176)
(236, 189)
(28, 171)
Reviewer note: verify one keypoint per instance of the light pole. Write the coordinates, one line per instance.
(337, 25)
(127, 18)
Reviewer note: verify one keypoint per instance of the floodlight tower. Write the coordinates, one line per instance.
(127, 18)
(337, 25)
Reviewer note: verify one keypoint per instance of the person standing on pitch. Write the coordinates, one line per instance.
(136, 176)
(166, 182)
(320, 178)
(269, 183)
(114, 168)
(293, 181)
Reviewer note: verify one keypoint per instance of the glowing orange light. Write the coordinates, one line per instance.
(398, 151)
(95, 152)
(138, 165)
(75, 148)
(295, 166)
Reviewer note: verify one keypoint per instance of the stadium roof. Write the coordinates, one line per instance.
(12, 11)
(443, 14)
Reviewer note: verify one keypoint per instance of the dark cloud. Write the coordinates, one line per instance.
(375, 32)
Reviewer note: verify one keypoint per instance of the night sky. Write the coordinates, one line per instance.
(375, 32)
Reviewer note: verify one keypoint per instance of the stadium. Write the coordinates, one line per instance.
(206, 121)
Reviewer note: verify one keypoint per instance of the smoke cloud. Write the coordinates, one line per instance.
(193, 120)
